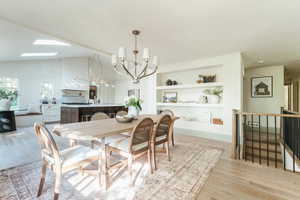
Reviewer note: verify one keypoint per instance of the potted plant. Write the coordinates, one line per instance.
(6, 97)
(134, 106)
(215, 94)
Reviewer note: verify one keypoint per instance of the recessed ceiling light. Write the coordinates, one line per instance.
(260, 61)
(50, 42)
(38, 54)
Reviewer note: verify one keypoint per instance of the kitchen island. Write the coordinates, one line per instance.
(79, 113)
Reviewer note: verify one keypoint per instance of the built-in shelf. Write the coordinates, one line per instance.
(191, 105)
(200, 85)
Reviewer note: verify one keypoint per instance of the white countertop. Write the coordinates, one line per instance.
(91, 105)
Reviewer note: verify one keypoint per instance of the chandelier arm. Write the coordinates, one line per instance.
(144, 69)
(146, 75)
(126, 70)
(116, 70)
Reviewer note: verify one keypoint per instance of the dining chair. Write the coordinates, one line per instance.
(161, 134)
(99, 116)
(137, 145)
(60, 161)
(171, 113)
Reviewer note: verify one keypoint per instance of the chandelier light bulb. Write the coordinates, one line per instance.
(155, 61)
(146, 54)
(122, 52)
(114, 59)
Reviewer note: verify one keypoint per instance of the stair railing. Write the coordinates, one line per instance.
(277, 130)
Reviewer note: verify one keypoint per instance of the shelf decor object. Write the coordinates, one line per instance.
(170, 97)
(206, 79)
(215, 94)
(134, 69)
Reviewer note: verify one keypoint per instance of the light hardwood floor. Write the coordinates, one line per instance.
(233, 179)
(229, 180)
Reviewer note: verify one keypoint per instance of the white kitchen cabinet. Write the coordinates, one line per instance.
(51, 112)
(75, 74)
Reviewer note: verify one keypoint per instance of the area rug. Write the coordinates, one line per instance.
(182, 178)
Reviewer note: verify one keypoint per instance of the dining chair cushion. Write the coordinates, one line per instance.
(124, 145)
(77, 154)
(127, 134)
(157, 139)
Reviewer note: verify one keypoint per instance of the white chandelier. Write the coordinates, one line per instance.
(134, 69)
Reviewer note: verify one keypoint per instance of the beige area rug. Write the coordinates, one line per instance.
(182, 178)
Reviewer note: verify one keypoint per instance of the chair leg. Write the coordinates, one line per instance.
(43, 175)
(173, 143)
(153, 156)
(130, 161)
(58, 174)
(164, 146)
(149, 160)
(168, 150)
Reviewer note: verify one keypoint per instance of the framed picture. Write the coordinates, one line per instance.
(170, 97)
(262, 87)
(134, 92)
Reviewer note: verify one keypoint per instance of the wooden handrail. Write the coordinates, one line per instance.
(288, 137)
(268, 114)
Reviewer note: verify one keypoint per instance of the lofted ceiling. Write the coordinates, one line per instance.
(174, 30)
(16, 40)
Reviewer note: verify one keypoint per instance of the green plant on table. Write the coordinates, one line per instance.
(133, 101)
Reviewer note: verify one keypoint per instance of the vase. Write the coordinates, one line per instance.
(5, 105)
(214, 99)
(133, 111)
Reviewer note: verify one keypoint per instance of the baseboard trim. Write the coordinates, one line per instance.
(207, 135)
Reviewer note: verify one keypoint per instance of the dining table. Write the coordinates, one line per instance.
(99, 130)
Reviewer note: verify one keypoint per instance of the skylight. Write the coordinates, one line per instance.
(38, 54)
(50, 42)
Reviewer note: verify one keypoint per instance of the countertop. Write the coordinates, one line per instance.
(91, 105)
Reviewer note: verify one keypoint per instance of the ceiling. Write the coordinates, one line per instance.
(176, 31)
(16, 40)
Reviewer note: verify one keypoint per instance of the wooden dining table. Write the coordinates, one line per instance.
(99, 130)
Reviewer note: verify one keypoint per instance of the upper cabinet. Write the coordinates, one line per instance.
(75, 74)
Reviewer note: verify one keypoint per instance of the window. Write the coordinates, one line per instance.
(9, 90)
(47, 92)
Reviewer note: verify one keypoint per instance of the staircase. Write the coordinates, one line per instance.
(265, 149)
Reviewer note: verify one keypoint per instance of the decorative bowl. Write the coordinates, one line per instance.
(124, 119)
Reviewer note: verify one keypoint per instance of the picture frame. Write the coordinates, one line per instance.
(170, 97)
(262, 87)
(134, 92)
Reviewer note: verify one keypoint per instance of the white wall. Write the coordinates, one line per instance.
(233, 82)
(31, 76)
(106, 94)
(265, 105)
(147, 88)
